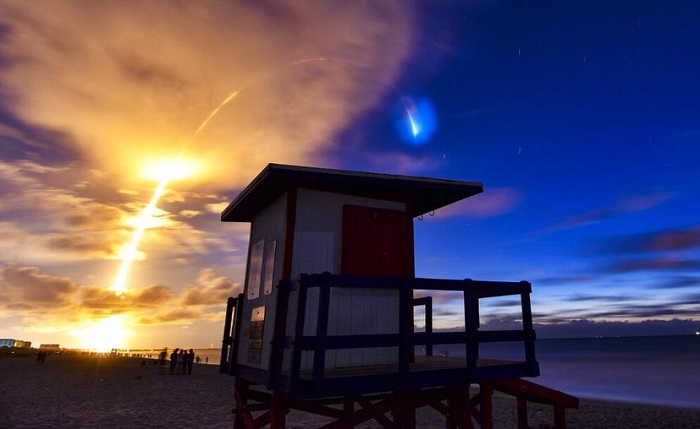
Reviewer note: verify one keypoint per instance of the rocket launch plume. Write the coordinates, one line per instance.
(119, 285)
(170, 171)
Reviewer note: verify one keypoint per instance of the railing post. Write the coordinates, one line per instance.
(429, 325)
(322, 328)
(297, 343)
(471, 324)
(279, 332)
(528, 327)
(226, 341)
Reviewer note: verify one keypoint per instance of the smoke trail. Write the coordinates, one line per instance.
(119, 285)
(295, 63)
(215, 111)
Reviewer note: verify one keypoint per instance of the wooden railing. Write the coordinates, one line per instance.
(406, 339)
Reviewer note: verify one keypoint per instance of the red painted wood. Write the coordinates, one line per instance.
(375, 242)
(522, 413)
(278, 411)
(243, 419)
(486, 406)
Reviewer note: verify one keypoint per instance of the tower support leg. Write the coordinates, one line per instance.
(241, 399)
(404, 409)
(278, 410)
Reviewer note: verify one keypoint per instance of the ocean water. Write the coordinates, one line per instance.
(208, 356)
(650, 370)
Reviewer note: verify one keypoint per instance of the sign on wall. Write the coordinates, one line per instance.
(255, 338)
(269, 266)
(255, 269)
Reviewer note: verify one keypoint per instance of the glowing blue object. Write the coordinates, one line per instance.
(416, 121)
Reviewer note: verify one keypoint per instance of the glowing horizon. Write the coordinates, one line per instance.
(104, 335)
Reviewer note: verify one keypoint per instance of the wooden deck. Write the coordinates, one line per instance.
(425, 372)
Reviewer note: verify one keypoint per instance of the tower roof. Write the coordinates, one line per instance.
(421, 194)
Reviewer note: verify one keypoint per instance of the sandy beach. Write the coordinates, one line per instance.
(92, 392)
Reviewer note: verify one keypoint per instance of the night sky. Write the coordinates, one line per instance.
(580, 118)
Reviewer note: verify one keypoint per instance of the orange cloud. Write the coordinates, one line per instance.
(28, 293)
(212, 290)
(147, 77)
(35, 291)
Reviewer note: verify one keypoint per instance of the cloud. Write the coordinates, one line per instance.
(600, 298)
(153, 295)
(171, 316)
(217, 208)
(492, 202)
(150, 74)
(210, 289)
(621, 307)
(26, 288)
(562, 280)
(680, 239)
(502, 322)
(585, 328)
(102, 299)
(680, 282)
(665, 241)
(400, 162)
(28, 293)
(49, 224)
(150, 297)
(626, 205)
(664, 263)
(81, 116)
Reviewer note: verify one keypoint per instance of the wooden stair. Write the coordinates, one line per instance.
(526, 391)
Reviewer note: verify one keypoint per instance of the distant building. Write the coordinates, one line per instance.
(9, 342)
(50, 347)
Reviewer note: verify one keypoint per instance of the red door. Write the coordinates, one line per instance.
(377, 242)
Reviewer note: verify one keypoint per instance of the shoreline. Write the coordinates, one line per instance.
(112, 392)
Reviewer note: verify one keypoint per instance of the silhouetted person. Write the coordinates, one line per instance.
(181, 361)
(189, 361)
(173, 361)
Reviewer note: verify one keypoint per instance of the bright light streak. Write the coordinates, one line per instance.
(169, 169)
(105, 335)
(414, 127)
(119, 285)
(299, 62)
(416, 121)
(163, 171)
(215, 111)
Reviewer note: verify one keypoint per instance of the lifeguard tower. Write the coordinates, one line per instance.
(325, 323)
